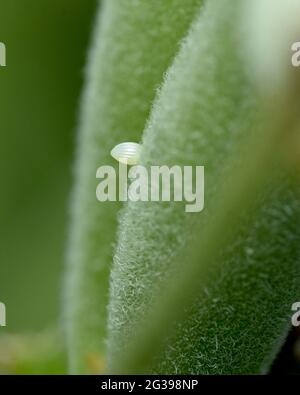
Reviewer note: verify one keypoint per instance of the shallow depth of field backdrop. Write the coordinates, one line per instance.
(47, 44)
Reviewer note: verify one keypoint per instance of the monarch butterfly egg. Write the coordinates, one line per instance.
(127, 153)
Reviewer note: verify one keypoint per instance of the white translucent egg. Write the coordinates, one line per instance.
(127, 153)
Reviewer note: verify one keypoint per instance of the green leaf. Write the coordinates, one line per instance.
(207, 109)
(134, 43)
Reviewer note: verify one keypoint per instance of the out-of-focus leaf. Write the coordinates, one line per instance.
(134, 43)
(42, 353)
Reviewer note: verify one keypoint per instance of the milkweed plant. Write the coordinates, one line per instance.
(148, 287)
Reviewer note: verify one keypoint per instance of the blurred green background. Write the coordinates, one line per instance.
(46, 44)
